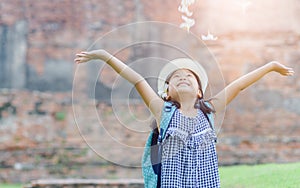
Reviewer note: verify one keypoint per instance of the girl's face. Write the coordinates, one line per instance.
(183, 81)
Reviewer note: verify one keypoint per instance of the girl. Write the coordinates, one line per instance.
(189, 157)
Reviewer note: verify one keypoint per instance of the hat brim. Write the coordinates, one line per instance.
(182, 63)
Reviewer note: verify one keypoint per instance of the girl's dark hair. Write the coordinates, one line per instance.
(200, 102)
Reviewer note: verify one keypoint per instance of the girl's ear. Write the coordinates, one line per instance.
(199, 94)
(168, 98)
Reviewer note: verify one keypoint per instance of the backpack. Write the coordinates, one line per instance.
(151, 161)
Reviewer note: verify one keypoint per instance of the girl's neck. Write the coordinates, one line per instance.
(187, 105)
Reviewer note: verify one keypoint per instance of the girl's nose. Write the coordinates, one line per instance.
(182, 78)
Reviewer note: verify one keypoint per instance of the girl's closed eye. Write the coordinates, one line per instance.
(175, 76)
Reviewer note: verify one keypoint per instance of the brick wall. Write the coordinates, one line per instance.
(41, 136)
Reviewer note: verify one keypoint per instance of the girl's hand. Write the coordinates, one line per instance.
(83, 57)
(281, 69)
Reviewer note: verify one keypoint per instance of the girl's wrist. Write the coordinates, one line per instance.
(105, 56)
(272, 65)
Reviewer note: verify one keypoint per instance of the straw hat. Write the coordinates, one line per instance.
(181, 63)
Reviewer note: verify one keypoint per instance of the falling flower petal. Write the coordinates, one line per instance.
(187, 2)
(185, 10)
(187, 20)
(188, 23)
(208, 37)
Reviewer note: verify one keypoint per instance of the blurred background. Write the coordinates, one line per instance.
(38, 42)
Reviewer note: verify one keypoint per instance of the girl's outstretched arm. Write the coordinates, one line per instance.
(151, 99)
(233, 89)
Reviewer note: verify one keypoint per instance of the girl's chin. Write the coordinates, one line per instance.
(186, 91)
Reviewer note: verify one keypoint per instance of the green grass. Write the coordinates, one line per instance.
(245, 176)
(261, 176)
(10, 185)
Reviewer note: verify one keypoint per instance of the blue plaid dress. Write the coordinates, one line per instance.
(189, 156)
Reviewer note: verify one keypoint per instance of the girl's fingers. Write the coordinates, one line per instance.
(77, 60)
(80, 60)
(80, 55)
(289, 72)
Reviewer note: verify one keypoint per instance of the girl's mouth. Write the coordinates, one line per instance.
(183, 83)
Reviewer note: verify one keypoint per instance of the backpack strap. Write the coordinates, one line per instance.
(152, 179)
(210, 118)
(158, 136)
(166, 116)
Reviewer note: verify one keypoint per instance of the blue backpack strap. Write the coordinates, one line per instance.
(150, 178)
(210, 117)
(166, 116)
